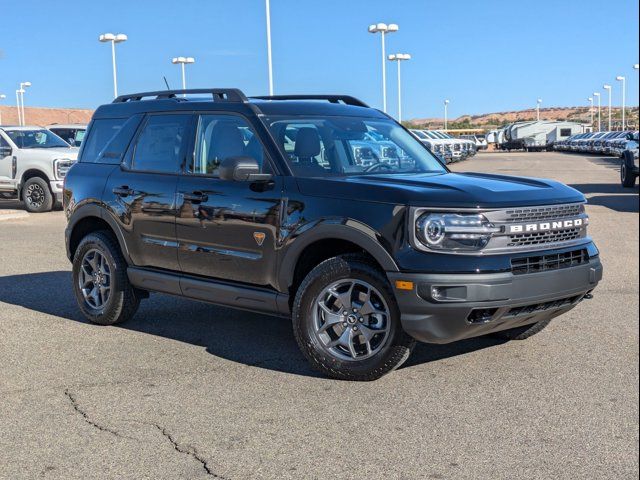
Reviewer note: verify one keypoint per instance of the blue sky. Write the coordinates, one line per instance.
(484, 56)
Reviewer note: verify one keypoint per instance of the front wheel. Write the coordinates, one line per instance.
(37, 196)
(347, 322)
(627, 178)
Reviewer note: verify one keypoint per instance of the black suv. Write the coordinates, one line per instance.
(262, 204)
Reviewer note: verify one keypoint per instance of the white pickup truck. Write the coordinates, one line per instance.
(33, 164)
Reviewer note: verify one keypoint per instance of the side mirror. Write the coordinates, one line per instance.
(5, 151)
(242, 169)
(629, 136)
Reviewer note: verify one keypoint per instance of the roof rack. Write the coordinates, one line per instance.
(218, 94)
(346, 99)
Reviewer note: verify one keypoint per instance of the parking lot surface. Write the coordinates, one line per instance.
(188, 390)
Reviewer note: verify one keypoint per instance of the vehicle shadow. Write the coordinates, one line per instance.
(611, 195)
(10, 204)
(248, 338)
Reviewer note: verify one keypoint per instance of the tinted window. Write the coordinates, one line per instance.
(99, 134)
(323, 146)
(565, 132)
(160, 146)
(220, 137)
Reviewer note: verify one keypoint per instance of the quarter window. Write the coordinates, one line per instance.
(160, 146)
(224, 136)
(100, 133)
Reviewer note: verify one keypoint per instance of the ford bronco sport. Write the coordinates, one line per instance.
(259, 204)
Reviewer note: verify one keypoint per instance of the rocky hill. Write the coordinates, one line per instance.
(45, 116)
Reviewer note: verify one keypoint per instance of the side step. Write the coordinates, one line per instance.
(255, 299)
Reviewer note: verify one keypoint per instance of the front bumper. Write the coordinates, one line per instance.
(57, 187)
(479, 304)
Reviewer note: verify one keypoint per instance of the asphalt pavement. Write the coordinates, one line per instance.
(193, 391)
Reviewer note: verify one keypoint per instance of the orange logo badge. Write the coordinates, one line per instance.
(259, 238)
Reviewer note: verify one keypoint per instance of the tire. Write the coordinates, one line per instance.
(381, 353)
(36, 195)
(522, 333)
(627, 178)
(122, 300)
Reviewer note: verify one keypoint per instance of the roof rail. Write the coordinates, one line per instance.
(218, 94)
(346, 99)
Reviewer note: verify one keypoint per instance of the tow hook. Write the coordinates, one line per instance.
(587, 296)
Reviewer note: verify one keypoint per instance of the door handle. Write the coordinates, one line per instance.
(196, 197)
(123, 191)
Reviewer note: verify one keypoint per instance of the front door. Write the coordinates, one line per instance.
(142, 193)
(6, 164)
(226, 229)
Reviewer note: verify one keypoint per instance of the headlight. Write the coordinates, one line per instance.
(61, 166)
(454, 232)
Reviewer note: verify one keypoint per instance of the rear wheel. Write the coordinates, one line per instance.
(100, 281)
(627, 178)
(522, 333)
(347, 322)
(37, 196)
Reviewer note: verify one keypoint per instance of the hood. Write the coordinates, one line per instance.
(449, 190)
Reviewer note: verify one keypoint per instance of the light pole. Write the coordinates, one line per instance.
(607, 87)
(269, 61)
(622, 79)
(18, 107)
(597, 95)
(383, 29)
(2, 97)
(591, 110)
(446, 107)
(117, 38)
(538, 102)
(399, 57)
(23, 85)
(183, 61)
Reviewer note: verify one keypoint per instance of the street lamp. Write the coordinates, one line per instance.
(591, 109)
(399, 57)
(383, 29)
(622, 79)
(269, 61)
(597, 94)
(117, 38)
(446, 107)
(182, 61)
(2, 97)
(607, 87)
(23, 85)
(538, 102)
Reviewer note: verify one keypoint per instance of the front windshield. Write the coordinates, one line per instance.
(338, 146)
(36, 138)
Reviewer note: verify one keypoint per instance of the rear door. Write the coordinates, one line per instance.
(226, 229)
(142, 192)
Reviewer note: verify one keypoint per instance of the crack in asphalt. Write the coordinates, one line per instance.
(85, 417)
(191, 451)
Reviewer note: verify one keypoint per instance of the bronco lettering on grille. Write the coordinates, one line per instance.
(546, 226)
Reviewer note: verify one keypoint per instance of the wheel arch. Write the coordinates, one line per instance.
(30, 173)
(325, 241)
(88, 219)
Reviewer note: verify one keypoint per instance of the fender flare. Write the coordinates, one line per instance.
(348, 230)
(94, 210)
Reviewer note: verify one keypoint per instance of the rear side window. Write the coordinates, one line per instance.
(99, 135)
(565, 132)
(161, 144)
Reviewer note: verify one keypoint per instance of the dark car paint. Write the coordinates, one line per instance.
(158, 229)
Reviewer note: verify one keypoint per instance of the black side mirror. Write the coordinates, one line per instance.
(629, 136)
(242, 169)
(5, 151)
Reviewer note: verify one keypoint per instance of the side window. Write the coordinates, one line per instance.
(99, 134)
(161, 144)
(565, 132)
(223, 136)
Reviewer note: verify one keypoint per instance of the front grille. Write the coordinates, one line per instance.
(544, 263)
(541, 307)
(544, 213)
(456, 146)
(540, 238)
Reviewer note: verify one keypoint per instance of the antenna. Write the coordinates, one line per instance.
(166, 83)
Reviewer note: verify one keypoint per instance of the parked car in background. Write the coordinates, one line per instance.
(434, 144)
(33, 164)
(629, 165)
(479, 141)
(72, 133)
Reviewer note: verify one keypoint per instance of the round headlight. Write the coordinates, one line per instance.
(434, 231)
